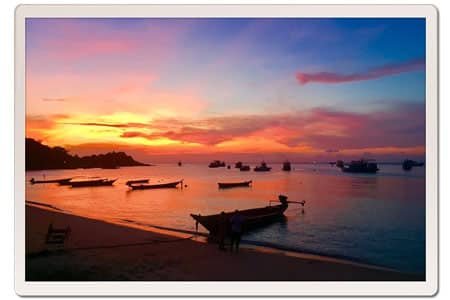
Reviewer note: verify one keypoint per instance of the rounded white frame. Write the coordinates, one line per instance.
(428, 287)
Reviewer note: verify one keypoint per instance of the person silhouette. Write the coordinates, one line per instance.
(222, 230)
(237, 222)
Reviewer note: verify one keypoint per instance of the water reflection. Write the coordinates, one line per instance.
(377, 218)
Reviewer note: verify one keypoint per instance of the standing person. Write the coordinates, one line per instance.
(222, 230)
(237, 221)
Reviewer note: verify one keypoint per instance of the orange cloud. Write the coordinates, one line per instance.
(399, 129)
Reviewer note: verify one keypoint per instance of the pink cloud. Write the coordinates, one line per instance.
(375, 73)
(401, 125)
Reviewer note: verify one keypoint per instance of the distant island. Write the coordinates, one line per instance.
(42, 157)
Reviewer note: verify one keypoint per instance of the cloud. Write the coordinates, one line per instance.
(387, 70)
(115, 125)
(401, 125)
(319, 130)
(54, 99)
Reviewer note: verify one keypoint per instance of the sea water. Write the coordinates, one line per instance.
(372, 218)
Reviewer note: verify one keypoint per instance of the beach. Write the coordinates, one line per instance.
(102, 251)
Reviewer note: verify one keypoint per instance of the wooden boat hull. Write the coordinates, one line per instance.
(60, 181)
(258, 169)
(64, 182)
(156, 186)
(94, 183)
(409, 164)
(253, 218)
(229, 185)
(131, 182)
(353, 170)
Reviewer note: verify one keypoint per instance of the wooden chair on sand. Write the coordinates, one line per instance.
(56, 237)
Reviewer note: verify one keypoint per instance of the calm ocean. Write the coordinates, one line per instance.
(377, 219)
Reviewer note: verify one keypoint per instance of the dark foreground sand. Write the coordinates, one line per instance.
(162, 257)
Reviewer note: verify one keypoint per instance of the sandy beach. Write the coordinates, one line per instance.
(102, 251)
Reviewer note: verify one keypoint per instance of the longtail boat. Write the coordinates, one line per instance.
(227, 185)
(408, 164)
(217, 164)
(361, 166)
(262, 168)
(60, 181)
(69, 182)
(135, 181)
(253, 218)
(244, 168)
(92, 183)
(156, 186)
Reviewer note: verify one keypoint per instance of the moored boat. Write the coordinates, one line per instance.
(340, 164)
(227, 185)
(408, 164)
(238, 165)
(92, 183)
(156, 185)
(217, 164)
(262, 168)
(135, 181)
(286, 166)
(244, 168)
(59, 181)
(253, 218)
(360, 166)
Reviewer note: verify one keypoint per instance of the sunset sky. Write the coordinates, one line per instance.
(302, 89)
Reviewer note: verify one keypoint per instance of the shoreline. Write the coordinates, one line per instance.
(266, 247)
(108, 251)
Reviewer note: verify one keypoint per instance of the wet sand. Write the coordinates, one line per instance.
(101, 251)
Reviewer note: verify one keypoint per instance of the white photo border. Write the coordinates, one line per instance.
(428, 287)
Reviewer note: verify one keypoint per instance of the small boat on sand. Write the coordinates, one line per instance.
(227, 185)
(136, 181)
(262, 168)
(92, 183)
(59, 181)
(253, 218)
(166, 185)
(217, 164)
